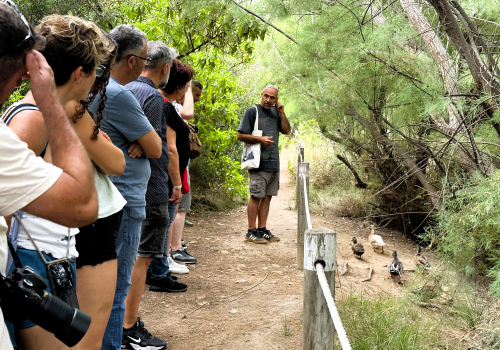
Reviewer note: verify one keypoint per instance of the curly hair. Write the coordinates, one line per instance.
(98, 88)
(71, 42)
(180, 75)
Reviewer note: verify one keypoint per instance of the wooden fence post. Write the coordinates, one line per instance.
(300, 158)
(318, 328)
(303, 168)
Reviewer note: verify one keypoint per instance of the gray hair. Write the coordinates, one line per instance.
(129, 40)
(160, 54)
(197, 84)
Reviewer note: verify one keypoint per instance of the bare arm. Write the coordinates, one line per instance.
(247, 138)
(108, 157)
(151, 144)
(72, 200)
(173, 166)
(29, 126)
(187, 109)
(285, 124)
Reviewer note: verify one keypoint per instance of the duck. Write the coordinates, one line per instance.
(420, 259)
(375, 240)
(395, 267)
(357, 248)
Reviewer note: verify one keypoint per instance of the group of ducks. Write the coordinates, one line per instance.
(395, 267)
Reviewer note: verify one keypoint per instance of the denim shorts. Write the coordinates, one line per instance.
(153, 231)
(96, 243)
(264, 183)
(32, 259)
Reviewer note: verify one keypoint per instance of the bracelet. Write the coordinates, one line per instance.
(178, 187)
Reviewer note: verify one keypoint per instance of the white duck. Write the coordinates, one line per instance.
(375, 240)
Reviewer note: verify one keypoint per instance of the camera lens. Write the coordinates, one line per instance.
(69, 325)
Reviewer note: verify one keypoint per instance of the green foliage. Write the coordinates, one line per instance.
(384, 323)
(466, 230)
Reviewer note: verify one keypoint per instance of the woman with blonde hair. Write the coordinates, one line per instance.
(74, 49)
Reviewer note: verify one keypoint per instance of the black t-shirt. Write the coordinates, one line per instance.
(270, 124)
(180, 127)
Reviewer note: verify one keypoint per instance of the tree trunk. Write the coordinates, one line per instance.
(438, 52)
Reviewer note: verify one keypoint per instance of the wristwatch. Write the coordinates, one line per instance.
(178, 187)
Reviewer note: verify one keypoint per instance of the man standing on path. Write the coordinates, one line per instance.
(129, 129)
(264, 181)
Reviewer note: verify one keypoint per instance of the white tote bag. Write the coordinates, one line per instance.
(250, 158)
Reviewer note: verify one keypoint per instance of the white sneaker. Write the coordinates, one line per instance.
(177, 268)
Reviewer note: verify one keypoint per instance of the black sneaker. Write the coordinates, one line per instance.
(268, 235)
(166, 284)
(138, 337)
(255, 236)
(149, 277)
(182, 256)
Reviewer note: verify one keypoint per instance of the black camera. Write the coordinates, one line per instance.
(23, 296)
(195, 127)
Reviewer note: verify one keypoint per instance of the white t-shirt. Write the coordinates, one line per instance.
(23, 178)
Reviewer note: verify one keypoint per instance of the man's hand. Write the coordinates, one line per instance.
(41, 75)
(280, 107)
(135, 150)
(176, 196)
(266, 141)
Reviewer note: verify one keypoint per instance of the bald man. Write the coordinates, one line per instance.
(264, 180)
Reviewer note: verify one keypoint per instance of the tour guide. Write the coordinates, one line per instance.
(264, 180)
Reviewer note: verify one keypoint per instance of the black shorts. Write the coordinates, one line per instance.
(96, 243)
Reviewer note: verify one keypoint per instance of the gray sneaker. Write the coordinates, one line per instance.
(188, 223)
(255, 236)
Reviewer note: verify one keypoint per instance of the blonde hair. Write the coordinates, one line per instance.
(71, 42)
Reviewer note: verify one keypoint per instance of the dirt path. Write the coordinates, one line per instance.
(243, 295)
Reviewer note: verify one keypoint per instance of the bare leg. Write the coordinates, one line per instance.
(169, 242)
(37, 338)
(252, 210)
(264, 210)
(136, 289)
(177, 229)
(95, 289)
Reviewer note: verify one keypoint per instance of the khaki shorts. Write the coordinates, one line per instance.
(264, 183)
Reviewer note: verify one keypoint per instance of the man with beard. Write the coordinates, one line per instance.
(264, 180)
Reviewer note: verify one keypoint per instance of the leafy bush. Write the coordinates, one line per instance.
(467, 229)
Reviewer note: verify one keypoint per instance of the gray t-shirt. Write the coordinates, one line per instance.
(270, 124)
(124, 122)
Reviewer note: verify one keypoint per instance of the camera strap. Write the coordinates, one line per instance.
(34, 244)
(15, 257)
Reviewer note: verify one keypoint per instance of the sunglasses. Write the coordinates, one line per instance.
(273, 86)
(28, 37)
(99, 71)
(147, 59)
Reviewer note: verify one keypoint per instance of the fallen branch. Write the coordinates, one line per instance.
(345, 269)
(369, 275)
(429, 305)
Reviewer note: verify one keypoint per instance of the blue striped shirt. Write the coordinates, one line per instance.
(151, 101)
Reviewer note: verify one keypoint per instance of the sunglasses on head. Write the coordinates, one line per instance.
(99, 71)
(28, 37)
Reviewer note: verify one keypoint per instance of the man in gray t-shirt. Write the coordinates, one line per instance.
(264, 181)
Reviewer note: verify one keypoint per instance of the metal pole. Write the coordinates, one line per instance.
(303, 168)
(318, 327)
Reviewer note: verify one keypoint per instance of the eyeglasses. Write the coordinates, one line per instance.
(99, 71)
(147, 59)
(30, 33)
(273, 86)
